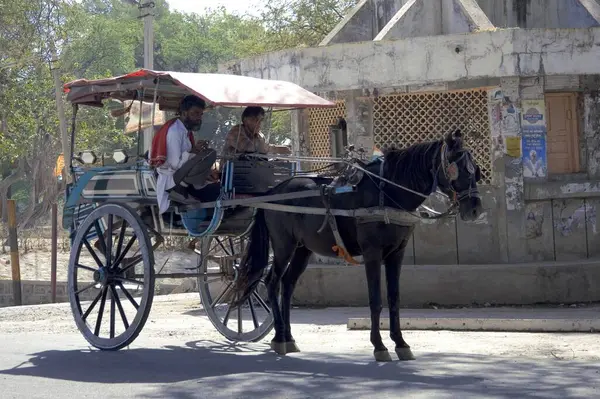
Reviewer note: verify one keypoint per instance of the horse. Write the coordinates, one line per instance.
(410, 175)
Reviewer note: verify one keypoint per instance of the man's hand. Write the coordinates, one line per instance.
(200, 146)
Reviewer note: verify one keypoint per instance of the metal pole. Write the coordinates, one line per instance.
(54, 254)
(147, 13)
(61, 114)
(14, 251)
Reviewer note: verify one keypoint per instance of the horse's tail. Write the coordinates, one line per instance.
(254, 261)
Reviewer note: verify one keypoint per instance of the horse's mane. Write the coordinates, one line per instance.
(411, 165)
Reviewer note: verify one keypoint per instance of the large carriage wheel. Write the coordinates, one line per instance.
(111, 276)
(219, 261)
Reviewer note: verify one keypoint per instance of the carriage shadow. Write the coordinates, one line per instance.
(205, 359)
(310, 315)
(221, 364)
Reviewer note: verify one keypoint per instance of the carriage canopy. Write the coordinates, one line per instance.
(168, 88)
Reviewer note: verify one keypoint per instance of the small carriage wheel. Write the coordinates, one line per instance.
(113, 274)
(251, 321)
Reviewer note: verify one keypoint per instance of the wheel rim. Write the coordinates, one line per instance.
(111, 280)
(252, 320)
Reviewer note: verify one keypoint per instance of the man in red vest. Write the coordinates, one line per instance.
(173, 145)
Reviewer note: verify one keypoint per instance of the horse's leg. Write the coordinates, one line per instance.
(393, 265)
(288, 283)
(373, 269)
(281, 257)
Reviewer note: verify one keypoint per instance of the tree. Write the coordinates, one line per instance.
(302, 23)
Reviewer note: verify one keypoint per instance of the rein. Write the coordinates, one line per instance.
(450, 171)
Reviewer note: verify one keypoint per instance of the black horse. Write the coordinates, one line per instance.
(420, 168)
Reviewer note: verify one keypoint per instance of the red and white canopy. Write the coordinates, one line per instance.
(216, 89)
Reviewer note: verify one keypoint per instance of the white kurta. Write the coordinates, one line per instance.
(178, 152)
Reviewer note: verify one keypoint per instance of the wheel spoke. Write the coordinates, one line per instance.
(92, 305)
(253, 312)
(122, 255)
(79, 266)
(128, 295)
(121, 238)
(262, 302)
(100, 312)
(87, 287)
(223, 247)
(92, 252)
(113, 291)
(231, 245)
(226, 318)
(100, 237)
(221, 295)
(112, 314)
(239, 318)
(131, 262)
(109, 239)
(129, 280)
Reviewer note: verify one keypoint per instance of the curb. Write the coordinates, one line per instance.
(482, 324)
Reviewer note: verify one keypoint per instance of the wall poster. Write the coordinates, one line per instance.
(533, 128)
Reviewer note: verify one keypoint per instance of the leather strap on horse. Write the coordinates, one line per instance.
(339, 248)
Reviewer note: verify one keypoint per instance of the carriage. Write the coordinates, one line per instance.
(111, 210)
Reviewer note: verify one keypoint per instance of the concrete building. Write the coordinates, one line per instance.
(520, 77)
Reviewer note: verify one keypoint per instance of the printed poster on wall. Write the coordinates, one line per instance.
(533, 128)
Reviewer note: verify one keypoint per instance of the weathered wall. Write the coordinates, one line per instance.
(560, 211)
(591, 125)
(427, 60)
(416, 18)
(364, 21)
(539, 13)
(40, 292)
(395, 19)
(421, 285)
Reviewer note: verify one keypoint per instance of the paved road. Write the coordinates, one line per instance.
(179, 355)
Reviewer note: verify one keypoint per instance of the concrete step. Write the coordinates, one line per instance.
(506, 319)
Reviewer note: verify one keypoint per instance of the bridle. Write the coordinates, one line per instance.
(451, 174)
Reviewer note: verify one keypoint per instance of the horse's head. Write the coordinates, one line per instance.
(458, 175)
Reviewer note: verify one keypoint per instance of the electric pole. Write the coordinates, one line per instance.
(146, 13)
(146, 8)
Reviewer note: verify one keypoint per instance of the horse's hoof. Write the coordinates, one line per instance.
(279, 347)
(382, 356)
(404, 354)
(291, 347)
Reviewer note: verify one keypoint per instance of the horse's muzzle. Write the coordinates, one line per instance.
(470, 207)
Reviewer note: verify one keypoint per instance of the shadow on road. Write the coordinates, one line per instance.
(306, 315)
(252, 369)
(203, 359)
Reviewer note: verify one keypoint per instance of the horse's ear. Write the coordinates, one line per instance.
(454, 140)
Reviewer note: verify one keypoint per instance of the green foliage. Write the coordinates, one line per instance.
(302, 23)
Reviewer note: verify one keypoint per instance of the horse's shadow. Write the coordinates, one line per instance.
(205, 359)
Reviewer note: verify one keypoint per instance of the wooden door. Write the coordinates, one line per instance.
(562, 141)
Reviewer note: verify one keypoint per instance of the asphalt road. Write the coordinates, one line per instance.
(179, 355)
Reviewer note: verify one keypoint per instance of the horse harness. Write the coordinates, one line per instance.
(354, 173)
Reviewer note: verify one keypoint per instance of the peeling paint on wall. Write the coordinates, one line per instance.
(564, 223)
(514, 193)
(591, 128)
